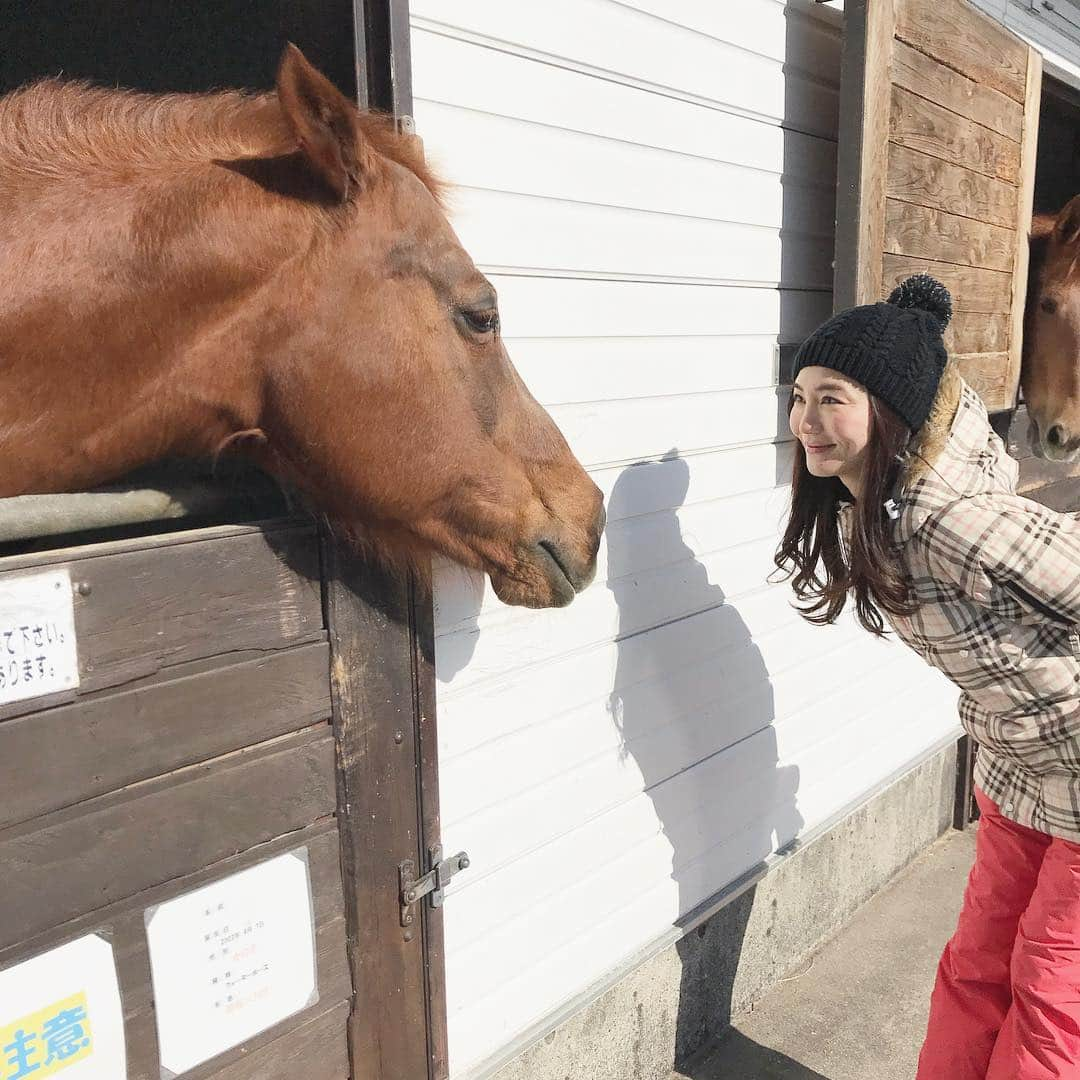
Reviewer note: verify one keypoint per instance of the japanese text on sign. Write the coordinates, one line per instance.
(37, 636)
(60, 1010)
(46, 1041)
(232, 959)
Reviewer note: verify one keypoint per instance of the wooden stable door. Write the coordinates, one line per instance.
(238, 697)
(939, 119)
(245, 692)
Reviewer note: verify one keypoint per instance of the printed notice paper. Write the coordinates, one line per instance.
(60, 1015)
(37, 636)
(232, 959)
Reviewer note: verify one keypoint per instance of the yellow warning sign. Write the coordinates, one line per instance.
(45, 1042)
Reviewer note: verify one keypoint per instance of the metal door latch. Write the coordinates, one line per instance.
(414, 889)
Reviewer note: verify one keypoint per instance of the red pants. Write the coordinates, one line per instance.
(1006, 1005)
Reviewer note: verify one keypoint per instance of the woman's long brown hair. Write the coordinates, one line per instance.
(823, 568)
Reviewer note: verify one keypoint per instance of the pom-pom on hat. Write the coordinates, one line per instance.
(893, 348)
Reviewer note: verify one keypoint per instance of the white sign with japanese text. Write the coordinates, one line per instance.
(232, 959)
(60, 1014)
(37, 636)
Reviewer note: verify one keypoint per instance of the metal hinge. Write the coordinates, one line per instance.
(414, 889)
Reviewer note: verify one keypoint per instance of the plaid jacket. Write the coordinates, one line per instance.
(998, 577)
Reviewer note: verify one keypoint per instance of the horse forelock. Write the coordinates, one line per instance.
(54, 130)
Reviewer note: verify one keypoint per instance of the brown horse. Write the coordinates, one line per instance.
(272, 274)
(1050, 375)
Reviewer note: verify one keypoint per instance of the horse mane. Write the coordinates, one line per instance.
(55, 130)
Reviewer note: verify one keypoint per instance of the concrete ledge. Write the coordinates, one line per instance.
(685, 995)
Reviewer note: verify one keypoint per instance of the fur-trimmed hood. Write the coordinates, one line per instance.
(955, 455)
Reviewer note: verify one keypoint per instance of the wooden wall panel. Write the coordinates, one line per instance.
(956, 166)
(975, 332)
(955, 34)
(112, 740)
(316, 1035)
(129, 840)
(973, 289)
(932, 234)
(987, 373)
(922, 75)
(923, 125)
(199, 594)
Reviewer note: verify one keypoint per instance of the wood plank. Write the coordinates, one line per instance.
(160, 541)
(123, 925)
(140, 610)
(1024, 202)
(1064, 495)
(127, 841)
(922, 125)
(926, 77)
(918, 178)
(317, 1047)
(988, 375)
(959, 36)
(109, 741)
(862, 155)
(932, 234)
(972, 289)
(375, 727)
(422, 617)
(965, 809)
(1038, 473)
(335, 985)
(975, 332)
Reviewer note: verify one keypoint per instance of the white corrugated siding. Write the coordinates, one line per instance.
(650, 185)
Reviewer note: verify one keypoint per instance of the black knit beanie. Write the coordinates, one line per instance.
(894, 349)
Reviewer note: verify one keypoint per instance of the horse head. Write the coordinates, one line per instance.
(1050, 375)
(276, 275)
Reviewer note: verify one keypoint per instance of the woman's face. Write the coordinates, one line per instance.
(830, 416)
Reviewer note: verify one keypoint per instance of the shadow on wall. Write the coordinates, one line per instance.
(693, 704)
(703, 738)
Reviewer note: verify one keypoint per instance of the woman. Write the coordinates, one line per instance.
(905, 499)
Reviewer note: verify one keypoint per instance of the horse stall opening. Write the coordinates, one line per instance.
(216, 724)
(1057, 180)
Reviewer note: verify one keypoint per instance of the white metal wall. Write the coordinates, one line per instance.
(650, 185)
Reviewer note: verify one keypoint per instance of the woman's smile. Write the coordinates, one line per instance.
(830, 416)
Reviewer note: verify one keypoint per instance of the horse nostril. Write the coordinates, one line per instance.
(1056, 436)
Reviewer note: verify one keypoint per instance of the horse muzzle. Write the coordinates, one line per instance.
(1056, 443)
(552, 570)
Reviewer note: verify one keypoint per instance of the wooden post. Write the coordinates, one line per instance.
(965, 810)
(382, 685)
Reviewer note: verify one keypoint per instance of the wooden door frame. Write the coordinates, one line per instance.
(381, 627)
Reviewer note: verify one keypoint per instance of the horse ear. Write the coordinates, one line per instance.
(1067, 224)
(324, 122)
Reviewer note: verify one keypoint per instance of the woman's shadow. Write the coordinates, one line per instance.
(693, 704)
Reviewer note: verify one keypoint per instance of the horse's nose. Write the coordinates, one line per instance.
(1056, 436)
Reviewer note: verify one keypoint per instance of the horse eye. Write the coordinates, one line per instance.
(1048, 304)
(482, 322)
